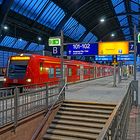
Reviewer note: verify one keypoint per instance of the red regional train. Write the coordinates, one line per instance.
(32, 69)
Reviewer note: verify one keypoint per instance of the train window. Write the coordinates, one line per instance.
(91, 71)
(51, 72)
(69, 72)
(85, 71)
(58, 72)
(78, 71)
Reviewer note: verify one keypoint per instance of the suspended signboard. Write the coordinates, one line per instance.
(103, 58)
(129, 57)
(113, 48)
(82, 49)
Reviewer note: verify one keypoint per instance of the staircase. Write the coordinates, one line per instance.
(78, 121)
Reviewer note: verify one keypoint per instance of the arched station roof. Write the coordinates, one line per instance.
(29, 20)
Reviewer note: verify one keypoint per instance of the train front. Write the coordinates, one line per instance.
(18, 71)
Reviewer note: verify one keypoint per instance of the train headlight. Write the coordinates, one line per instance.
(29, 80)
(4, 79)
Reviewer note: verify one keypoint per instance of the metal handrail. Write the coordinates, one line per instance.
(35, 135)
(112, 117)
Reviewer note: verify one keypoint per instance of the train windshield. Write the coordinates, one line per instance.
(17, 69)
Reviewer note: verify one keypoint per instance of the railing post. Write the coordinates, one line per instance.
(46, 97)
(16, 107)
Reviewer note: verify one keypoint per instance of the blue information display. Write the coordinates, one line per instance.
(129, 57)
(103, 58)
(82, 49)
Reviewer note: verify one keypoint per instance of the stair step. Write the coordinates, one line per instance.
(78, 123)
(59, 137)
(66, 117)
(75, 128)
(72, 133)
(89, 103)
(83, 114)
(89, 106)
(86, 110)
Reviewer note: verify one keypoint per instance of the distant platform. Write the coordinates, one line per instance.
(99, 90)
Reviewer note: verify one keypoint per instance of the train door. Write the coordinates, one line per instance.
(81, 72)
(65, 73)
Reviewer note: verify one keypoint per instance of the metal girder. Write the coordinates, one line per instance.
(128, 9)
(83, 36)
(128, 13)
(5, 7)
(8, 49)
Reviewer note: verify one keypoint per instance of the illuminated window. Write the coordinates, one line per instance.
(69, 72)
(58, 72)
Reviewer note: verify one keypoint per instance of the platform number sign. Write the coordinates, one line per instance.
(139, 38)
(56, 50)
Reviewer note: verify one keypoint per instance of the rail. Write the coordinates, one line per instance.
(60, 95)
(19, 102)
(117, 124)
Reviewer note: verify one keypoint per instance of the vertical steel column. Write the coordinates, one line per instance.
(114, 75)
(135, 51)
(62, 82)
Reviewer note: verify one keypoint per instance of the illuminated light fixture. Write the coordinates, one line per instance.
(39, 38)
(21, 54)
(5, 27)
(29, 80)
(102, 20)
(20, 58)
(20, 39)
(4, 79)
(112, 35)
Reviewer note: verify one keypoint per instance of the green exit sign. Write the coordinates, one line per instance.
(139, 38)
(54, 41)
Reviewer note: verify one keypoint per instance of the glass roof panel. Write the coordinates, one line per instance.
(51, 16)
(120, 8)
(20, 44)
(126, 31)
(4, 57)
(29, 8)
(32, 46)
(1, 1)
(42, 11)
(135, 19)
(73, 29)
(40, 47)
(8, 41)
(134, 6)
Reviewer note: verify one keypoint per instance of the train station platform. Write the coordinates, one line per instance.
(102, 90)
(99, 90)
